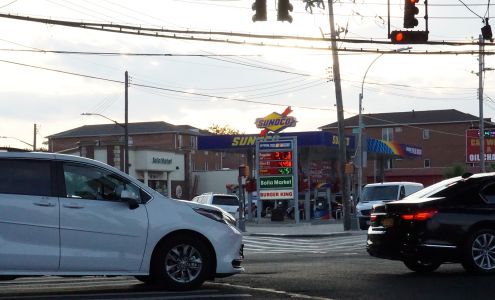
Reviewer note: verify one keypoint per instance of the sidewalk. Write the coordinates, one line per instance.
(288, 228)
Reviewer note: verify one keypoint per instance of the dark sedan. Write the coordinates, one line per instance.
(451, 221)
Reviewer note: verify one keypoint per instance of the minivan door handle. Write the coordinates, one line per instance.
(73, 205)
(45, 204)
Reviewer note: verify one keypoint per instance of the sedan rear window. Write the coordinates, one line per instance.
(225, 200)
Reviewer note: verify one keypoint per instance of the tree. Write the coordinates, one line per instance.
(455, 170)
(222, 130)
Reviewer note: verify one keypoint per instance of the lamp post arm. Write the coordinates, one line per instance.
(103, 116)
(366, 73)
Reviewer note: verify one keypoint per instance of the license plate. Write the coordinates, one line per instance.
(388, 222)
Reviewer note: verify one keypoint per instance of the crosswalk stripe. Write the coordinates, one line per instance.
(258, 244)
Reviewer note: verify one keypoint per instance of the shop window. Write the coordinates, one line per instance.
(427, 163)
(387, 134)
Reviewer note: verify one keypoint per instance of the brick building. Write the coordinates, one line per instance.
(440, 133)
(161, 155)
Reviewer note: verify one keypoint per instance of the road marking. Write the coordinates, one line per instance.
(285, 293)
(255, 245)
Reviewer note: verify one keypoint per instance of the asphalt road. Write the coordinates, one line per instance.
(334, 268)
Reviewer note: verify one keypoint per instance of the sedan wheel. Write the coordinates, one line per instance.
(480, 252)
(182, 263)
(421, 266)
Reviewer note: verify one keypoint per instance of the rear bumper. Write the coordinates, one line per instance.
(380, 244)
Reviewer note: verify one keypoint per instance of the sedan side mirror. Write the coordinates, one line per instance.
(131, 198)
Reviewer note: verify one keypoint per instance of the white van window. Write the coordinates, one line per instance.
(375, 193)
(93, 183)
(25, 177)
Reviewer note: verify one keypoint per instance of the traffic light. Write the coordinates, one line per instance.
(409, 37)
(259, 6)
(284, 7)
(410, 12)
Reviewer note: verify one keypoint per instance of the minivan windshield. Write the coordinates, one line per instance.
(382, 192)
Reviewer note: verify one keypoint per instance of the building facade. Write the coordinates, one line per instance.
(441, 134)
(161, 155)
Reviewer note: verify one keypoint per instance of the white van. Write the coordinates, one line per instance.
(71, 216)
(378, 193)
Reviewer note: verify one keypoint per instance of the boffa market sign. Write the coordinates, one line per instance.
(276, 182)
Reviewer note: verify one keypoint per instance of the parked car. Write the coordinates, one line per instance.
(451, 221)
(70, 216)
(377, 193)
(227, 202)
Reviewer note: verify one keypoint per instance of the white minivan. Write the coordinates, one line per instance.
(378, 193)
(71, 216)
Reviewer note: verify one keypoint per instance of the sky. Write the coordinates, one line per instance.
(201, 83)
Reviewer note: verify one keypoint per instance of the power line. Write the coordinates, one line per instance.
(166, 89)
(145, 31)
(470, 9)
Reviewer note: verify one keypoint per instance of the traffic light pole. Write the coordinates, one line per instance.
(340, 118)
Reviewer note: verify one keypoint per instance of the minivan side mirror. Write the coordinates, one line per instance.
(131, 198)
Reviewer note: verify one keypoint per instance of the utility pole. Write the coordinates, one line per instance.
(34, 138)
(126, 125)
(481, 61)
(340, 118)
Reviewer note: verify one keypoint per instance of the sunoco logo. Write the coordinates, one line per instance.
(276, 122)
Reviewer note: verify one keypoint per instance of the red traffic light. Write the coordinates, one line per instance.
(410, 12)
(409, 37)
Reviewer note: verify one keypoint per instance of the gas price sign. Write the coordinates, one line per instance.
(275, 165)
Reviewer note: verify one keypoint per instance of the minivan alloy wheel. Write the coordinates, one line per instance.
(483, 251)
(183, 263)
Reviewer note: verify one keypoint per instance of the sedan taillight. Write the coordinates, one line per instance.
(421, 215)
(373, 217)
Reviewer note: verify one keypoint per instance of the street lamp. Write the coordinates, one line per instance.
(126, 137)
(11, 137)
(360, 121)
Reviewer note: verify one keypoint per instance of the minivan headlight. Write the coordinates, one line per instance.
(215, 215)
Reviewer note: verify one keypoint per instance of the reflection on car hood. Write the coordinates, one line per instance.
(199, 205)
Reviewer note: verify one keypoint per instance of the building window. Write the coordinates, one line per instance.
(179, 141)
(193, 142)
(426, 134)
(387, 134)
(427, 163)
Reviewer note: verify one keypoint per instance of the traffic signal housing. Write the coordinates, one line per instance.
(284, 7)
(259, 7)
(410, 12)
(409, 37)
